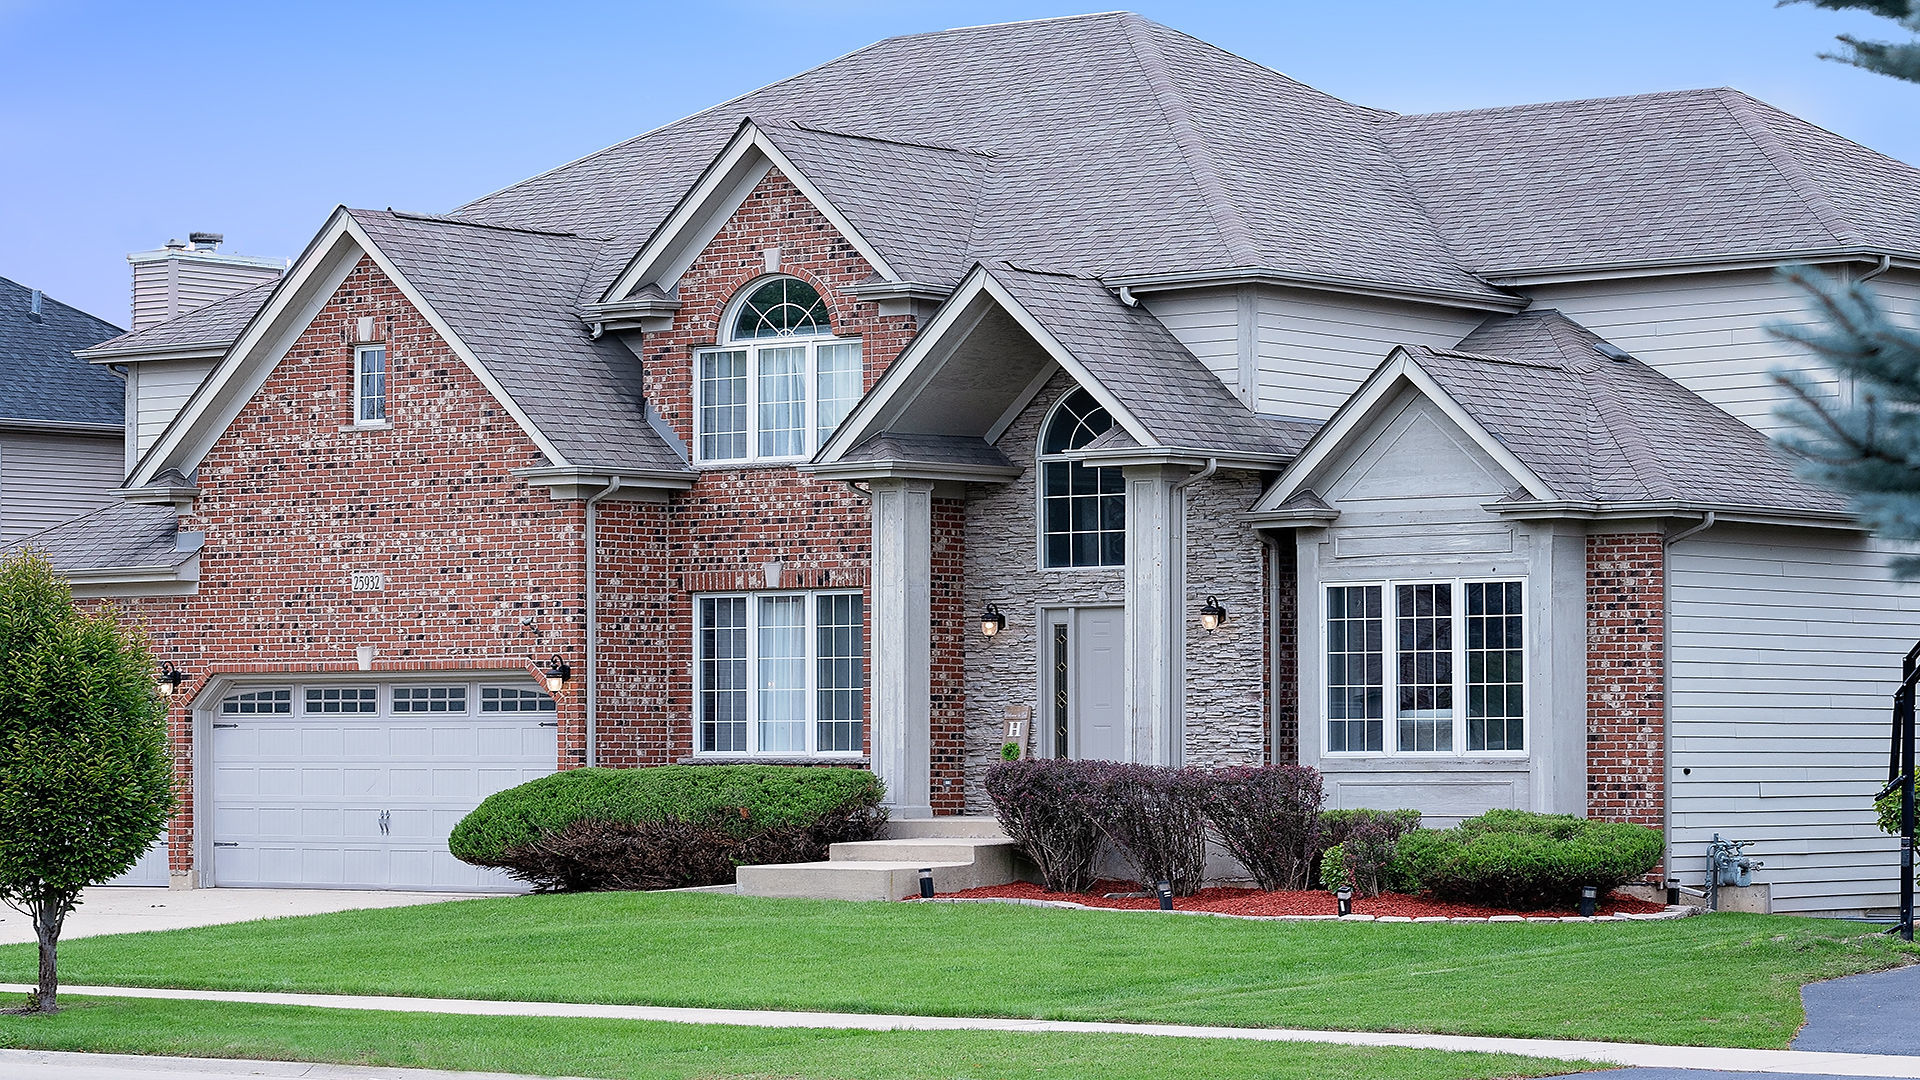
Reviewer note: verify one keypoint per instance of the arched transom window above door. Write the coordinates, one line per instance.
(778, 383)
(1083, 510)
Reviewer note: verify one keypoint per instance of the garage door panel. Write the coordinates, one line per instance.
(301, 799)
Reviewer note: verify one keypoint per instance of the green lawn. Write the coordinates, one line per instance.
(620, 1048)
(1728, 980)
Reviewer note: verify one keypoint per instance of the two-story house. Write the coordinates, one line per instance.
(1257, 425)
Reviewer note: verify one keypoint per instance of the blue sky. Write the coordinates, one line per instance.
(128, 123)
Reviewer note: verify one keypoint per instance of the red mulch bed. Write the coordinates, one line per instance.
(1311, 902)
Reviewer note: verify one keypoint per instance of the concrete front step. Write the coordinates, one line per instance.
(924, 852)
(907, 828)
(889, 869)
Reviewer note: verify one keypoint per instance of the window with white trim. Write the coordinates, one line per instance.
(258, 703)
(780, 674)
(779, 384)
(514, 699)
(343, 699)
(370, 384)
(1445, 661)
(1083, 510)
(429, 699)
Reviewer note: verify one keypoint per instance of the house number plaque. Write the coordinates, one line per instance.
(369, 581)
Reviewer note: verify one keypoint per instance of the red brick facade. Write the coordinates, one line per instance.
(1626, 677)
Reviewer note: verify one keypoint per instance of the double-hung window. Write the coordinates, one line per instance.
(779, 383)
(780, 674)
(1426, 667)
(370, 385)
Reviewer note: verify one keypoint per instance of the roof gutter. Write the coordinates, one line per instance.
(1656, 508)
(1491, 300)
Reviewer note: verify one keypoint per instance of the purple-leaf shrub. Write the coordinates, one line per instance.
(1153, 814)
(1048, 806)
(1268, 817)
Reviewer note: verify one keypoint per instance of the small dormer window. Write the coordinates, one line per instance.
(370, 385)
(779, 382)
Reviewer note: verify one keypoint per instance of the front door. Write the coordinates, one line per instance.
(1083, 690)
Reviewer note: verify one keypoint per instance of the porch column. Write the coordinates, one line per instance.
(1156, 627)
(902, 643)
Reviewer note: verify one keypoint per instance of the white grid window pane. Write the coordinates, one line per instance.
(839, 680)
(514, 699)
(723, 405)
(371, 380)
(1085, 515)
(838, 384)
(429, 699)
(1423, 625)
(783, 674)
(257, 703)
(1356, 669)
(723, 674)
(1496, 666)
(343, 699)
(783, 401)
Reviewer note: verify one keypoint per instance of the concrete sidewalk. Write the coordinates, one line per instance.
(51, 1065)
(125, 910)
(1809, 1063)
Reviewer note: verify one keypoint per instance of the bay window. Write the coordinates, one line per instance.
(780, 674)
(779, 383)
(1444, 661)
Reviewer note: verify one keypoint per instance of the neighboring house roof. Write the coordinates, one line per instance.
(509, 295)
(208, 329)
(1609, 430)
(45, 383)
(1686, 176)
(123, 536)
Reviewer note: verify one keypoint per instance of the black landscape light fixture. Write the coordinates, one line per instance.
(556, 675)
(991, 621)
(170, 678)
(1212, 615)
(1344, 894)
(926, 883)
(1166, 896)
(1588, 895)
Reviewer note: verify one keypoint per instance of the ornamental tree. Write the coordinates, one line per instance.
(85, 787)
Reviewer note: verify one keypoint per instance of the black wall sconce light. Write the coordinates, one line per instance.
(991, 621)
(1212, 615)
(556, 675)
(170, 678)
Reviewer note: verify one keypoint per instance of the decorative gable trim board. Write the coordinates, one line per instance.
(311, 284)
(912, 370)
(1353, 417)
(701, 213)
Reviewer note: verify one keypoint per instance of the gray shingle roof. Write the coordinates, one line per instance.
(942, 449)
(215, 326)
(44, 381)
(1682, 176)
(1181, 403)
(1606, 430)
(122, 536)
(509, 296)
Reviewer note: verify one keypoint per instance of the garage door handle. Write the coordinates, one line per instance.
(226, 843)
(549, 723)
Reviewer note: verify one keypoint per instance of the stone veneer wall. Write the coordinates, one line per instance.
(1002, 567)
(1226, 674)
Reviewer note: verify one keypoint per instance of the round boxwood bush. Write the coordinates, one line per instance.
(1526, 861)
(667, 826)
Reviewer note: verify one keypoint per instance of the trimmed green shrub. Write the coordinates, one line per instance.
(1049, 807)
(1268, 817)
(1366, 857)
(667, 826)
(1526, 861)
(1337, 825)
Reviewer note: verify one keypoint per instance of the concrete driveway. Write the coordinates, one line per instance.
(127, 910)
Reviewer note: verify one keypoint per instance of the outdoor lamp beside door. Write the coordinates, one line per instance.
(991, 621)
(170, 678)
(556, 675)
(1212, 615)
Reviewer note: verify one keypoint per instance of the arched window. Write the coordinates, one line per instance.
(1083, 511)
(780, 383)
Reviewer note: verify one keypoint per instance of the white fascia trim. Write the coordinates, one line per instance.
(1712, 264)
(1359, 408)
(1174, 455)
(712, 201)
(906, 376)
(914, 470)
(602, 477)
(328, 262)
(1254, 275)
(61, 427)
(205, 351)
(218, 257)
(1582, 510)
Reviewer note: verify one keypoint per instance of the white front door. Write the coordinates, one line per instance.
(357, 786)
(1083, 698)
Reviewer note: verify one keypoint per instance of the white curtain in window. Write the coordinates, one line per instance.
(783, 402)
(783, 674)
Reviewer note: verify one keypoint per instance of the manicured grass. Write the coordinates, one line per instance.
(1726, 980)
(620, 1048)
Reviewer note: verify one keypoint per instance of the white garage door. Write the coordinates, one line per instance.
(358, 786)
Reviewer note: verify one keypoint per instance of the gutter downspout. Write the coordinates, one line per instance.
(1666, 689)
(593, 628)
(1886, 264)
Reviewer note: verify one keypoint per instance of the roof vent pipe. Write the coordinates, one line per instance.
(33, 306)
(1612, 352)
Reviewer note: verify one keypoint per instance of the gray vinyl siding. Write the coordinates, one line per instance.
(168, 288)
(163, 389)
(1784, 650)
(1708, 332)
(46, 479)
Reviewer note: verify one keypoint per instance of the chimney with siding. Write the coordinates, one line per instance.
(175, 279)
